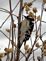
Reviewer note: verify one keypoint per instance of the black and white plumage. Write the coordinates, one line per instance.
(27, 26)
(29, 18)
(30, 29)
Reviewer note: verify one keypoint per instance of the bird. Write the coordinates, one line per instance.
(29, 23)
(29, 18)
(30, 29)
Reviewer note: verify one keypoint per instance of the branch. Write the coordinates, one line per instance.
(9, 15)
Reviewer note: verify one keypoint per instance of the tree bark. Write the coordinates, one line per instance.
(18, 43)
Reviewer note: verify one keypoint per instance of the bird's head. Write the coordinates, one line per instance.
(29, 18)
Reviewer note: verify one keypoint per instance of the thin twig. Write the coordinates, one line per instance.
(9, 15)
(19, 20)
(2, 9)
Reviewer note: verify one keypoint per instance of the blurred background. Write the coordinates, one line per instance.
(5, 4)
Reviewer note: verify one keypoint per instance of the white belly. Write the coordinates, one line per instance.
(24, 28)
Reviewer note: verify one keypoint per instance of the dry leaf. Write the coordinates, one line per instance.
(34, 9)
(1, 55)
(8, 30)
(29, 4)
(14, 25)
(31, 14)
(8, 50)
(44, 42)
(44, 1)
(28, 51)
(25, 4)
(37, 45)
(27, 8)
(26, 47)
(44, 51)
